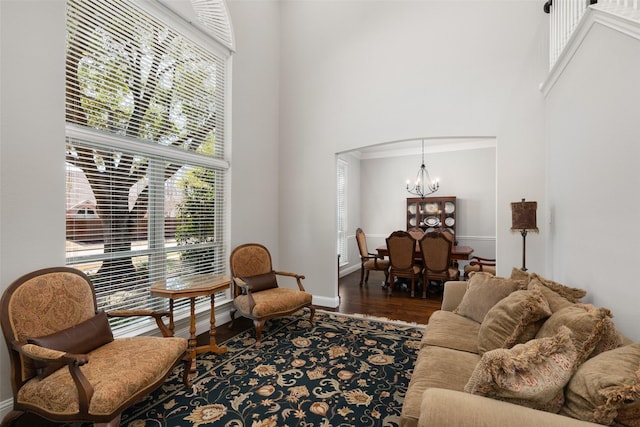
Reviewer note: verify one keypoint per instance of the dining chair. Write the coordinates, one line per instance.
(402, 259)
(480, 264)
(416, 232)
(370, 261)
(436, 255)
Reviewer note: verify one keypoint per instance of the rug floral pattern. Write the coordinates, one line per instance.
(342, 371)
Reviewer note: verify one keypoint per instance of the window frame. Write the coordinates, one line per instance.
(342, 173)
(223, 51)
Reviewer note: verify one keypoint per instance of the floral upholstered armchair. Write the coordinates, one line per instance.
(257, 295)
(66, 365)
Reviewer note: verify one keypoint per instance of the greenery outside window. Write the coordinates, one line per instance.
(145, 152)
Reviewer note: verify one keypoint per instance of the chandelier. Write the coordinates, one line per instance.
(424, 185)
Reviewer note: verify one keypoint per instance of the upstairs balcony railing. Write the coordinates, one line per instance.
(565, 15)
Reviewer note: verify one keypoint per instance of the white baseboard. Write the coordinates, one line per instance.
(5, 407)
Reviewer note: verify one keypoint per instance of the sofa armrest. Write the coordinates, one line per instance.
(445, 408)
(452, 295)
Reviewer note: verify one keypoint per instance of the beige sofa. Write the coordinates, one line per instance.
(456, 353)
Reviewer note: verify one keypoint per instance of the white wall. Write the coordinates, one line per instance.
(32, 172)
(593, 134)
(355, 73)
(255, 203)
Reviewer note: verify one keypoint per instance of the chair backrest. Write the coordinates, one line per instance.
(250, 259)
(436, 251)
(416, 232)
(361, 238)
(41, 303)
(402, 247)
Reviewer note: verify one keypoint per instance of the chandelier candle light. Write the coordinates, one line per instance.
(424, 185)
(523, 219)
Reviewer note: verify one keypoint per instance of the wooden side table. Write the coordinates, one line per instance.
(192, 287)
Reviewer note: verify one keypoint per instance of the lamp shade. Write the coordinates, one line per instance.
(523, 216)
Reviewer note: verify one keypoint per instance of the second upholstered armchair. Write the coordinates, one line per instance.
(256, 293)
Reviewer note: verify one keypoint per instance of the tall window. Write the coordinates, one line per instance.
(342, 210)
(145, 152)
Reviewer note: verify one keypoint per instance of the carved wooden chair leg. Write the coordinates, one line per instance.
(232, 313)
(258, 325)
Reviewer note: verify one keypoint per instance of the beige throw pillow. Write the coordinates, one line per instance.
(571, 294)
(483, 292)
(606, 388)
(555, 300)
(532, 374)
(513, 320)
(593, 330)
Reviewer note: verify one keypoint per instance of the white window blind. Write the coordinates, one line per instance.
(342, 210)
(145, 152)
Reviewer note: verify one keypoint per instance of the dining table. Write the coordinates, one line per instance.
(458, 252)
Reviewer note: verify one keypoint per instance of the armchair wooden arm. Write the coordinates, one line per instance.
(482, 262)
(73, 362)
(478, 264)
(157, 316)
(299, 277)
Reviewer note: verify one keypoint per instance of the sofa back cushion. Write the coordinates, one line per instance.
(483, 292)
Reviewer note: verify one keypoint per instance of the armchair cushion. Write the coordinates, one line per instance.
(81, 339)
(272, 302)
(261, 282)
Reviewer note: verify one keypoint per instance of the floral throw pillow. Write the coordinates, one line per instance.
(532, 374)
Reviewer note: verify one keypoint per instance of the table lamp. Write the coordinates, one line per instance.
(523, 219)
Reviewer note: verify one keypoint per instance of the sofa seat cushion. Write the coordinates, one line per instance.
(273, 302)
(117, 370)
(449, 330)
(440, 368)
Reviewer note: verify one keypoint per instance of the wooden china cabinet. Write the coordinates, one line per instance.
(430, 213)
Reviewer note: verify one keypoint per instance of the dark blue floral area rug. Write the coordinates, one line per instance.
(342, 371)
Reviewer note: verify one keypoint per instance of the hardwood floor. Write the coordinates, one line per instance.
(370, 299)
